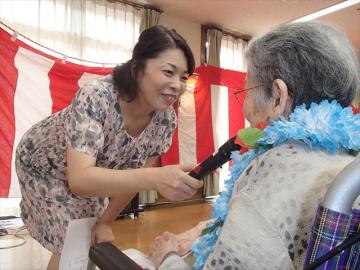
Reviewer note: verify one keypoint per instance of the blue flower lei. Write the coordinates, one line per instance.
(325, 126)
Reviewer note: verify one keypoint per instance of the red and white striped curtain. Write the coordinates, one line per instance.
(33, 85)
(208, 115)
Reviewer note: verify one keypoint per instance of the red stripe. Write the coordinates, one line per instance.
(202, 96)
(236, 115)
(229, 78)
(209, 75)
(233, 80)
(63, 84)
(8, 80)
(64, 79)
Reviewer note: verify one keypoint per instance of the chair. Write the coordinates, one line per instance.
(108, 257)
(336, 228)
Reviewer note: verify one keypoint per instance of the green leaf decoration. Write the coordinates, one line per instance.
(354, 152)
(213, 227)
(249, 136)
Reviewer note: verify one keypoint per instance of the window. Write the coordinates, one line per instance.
(99, 31)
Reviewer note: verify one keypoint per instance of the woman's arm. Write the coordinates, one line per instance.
(118, 203)
(101, 232)
(85, 179)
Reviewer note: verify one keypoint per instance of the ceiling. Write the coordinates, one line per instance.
(254, 17)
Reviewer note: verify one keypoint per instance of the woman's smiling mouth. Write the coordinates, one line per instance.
(169, 99)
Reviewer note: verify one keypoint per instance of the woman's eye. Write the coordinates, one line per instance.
(184, 78)
(168, 72)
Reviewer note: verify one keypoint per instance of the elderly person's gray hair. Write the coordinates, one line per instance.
(315, 60)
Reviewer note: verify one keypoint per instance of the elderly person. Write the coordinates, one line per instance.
(301, 77)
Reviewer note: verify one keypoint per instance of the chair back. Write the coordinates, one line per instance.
(336, 229)
(345, 189)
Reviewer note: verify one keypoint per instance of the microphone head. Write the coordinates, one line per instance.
(229, 146)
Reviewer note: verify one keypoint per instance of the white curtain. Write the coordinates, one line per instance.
(214, 37)
(92, 30)
(232, 53)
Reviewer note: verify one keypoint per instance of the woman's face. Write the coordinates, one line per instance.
(163, 80)
(252, 112)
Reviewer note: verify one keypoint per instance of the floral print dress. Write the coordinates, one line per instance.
(91, 124)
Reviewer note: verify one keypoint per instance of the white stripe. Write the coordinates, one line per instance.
(88, 77)
(220, 123)
(220, 114)
(32, 101)
(187, 128)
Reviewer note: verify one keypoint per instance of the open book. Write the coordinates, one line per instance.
(75, 252)
(75, 255)
(140, 258)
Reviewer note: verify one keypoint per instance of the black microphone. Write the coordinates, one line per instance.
(215, 161)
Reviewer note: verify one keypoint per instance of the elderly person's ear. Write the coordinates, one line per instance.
(282, 102)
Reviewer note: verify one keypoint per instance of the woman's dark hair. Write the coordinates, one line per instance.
(152, 42)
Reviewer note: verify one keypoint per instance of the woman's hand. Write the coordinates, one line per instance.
(101, 232)
(162, 246)
(175, 184)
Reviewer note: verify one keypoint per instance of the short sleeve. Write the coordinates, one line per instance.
(84, 120)
(165, 128)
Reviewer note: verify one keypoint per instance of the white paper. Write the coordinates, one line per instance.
(75, 252)
(140, 258)
(12, 223)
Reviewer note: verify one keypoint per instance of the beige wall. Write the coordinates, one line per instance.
(189, 30)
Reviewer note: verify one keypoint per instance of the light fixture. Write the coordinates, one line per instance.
(328, 10)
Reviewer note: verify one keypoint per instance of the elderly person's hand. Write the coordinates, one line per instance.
(162, 246)
(178, 243)
(187, 238)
